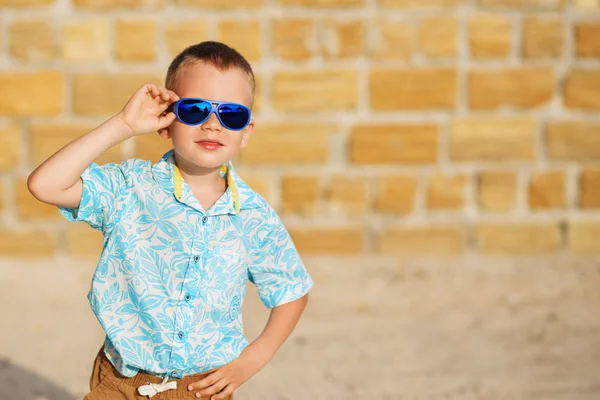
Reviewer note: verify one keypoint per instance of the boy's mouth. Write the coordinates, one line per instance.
(210, 144)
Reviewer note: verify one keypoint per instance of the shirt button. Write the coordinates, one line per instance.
(188, 297)
(196, 258)
(181, 335)
(204, 219)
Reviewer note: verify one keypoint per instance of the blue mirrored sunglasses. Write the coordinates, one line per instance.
(194, 111)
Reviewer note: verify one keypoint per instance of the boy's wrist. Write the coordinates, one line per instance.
(258, 354)
(119, 128)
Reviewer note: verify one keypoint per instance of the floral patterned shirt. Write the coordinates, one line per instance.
(169, 285)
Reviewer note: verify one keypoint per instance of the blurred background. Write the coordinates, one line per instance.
(437, 163)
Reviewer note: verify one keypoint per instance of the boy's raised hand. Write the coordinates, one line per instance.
(145, 110)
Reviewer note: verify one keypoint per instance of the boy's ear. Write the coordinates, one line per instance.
(247, 132)
(165, 133)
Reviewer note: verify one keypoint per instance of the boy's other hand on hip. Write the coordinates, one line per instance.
(224, 380)
(145, 111)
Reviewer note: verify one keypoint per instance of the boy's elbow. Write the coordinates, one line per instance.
(35, 187)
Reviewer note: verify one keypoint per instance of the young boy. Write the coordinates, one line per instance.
(181, 237)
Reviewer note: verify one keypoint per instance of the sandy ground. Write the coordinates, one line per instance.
(374, 328)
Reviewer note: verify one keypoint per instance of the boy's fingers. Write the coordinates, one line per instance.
(165, 120)
(224, 393)
(164, 94)
(214, 389)
(173, 95)
(207, 380)
(152, 89)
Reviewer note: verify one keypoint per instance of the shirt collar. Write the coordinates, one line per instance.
(237, 197)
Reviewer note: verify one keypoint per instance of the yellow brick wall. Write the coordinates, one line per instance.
(389, 127)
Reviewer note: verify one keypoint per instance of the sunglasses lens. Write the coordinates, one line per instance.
(193, 111)
(234, 116)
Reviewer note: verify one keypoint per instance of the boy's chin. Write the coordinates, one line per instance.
(206, 161)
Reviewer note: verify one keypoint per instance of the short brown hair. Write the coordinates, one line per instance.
(216, 54)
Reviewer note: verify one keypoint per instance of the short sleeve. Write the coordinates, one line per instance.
(105, 190)
(276, 268)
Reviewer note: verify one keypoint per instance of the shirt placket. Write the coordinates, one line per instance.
(192, 288)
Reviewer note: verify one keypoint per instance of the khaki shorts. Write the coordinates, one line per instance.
(106, 383)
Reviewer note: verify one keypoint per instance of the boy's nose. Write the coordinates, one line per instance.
(212, 123)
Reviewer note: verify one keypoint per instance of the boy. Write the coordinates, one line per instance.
(181, 237)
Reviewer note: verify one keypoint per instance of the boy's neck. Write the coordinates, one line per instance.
(199, 179)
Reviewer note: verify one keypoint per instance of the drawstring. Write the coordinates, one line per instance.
(154, 388)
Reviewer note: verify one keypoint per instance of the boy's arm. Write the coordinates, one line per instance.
(57, 180)
(255, 356)
(281, 323)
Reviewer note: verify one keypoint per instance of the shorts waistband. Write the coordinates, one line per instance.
(144, 378)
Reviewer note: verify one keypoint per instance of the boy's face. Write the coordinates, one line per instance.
(202, 80)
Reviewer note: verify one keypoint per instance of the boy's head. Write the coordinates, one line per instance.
(210, 71)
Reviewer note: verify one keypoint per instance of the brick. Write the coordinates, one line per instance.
(422, 241)
(523, 88)
(242, 35)
(260, 184)
(34, 244)
(83, 242)
(587, 39)
(286, 143)
(543, 4)
(394, 40)
(343, 39)
(340, 241)
(17, 89)
(184, 33)
(412, 89)
(151, 146)
(396, 193)
(85, 40)
(105, 5)
(573, 140)
(349, 194)
(299, 194)
(110, 92)
(587, 5)
(547, 190)
(493, 139)
(47, 138)
(293, 39)
(135, 40)
(589, 188)
(518, 238)
(394, 144)
(583, 237)
(322, 3)
(582, 89)
(446, 192)
(497, 190)
(222, 4)
(490, 36)
(315, 90)
(28, 207)
(10, 143)
(543, 38)
(32, 40)
(26, 3)
(438, 37)
(420, 3)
